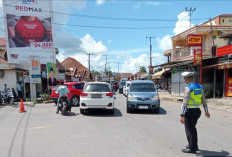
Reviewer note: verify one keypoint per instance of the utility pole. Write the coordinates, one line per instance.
(106, 61)
(118, 66)
(89, 54)
(151, 37)
(191, 10)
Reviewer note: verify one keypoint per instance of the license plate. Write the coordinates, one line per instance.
(143, 107)
(96, 96)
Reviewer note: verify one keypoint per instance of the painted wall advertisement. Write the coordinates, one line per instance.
(29, 30)
(34, 69)
(51, 72)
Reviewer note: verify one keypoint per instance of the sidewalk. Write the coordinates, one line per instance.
(223, 103)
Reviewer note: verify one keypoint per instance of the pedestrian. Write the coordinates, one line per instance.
(19, 89)
(5, 88)
(193, 97)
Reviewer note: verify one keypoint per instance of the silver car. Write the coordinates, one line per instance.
(143, 95)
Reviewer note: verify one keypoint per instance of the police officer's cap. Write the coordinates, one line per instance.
(187, 74)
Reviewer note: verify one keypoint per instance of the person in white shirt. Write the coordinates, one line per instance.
(19, 89)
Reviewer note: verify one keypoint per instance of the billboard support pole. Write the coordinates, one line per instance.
(201, 66)
(33, 92)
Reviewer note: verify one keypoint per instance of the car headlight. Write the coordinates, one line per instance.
(130, 97)
(155, 97)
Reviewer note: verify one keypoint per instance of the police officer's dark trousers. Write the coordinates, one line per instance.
(191, 117)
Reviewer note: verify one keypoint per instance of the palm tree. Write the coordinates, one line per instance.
(142, 69)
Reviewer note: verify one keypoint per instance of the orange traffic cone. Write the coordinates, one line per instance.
(21, 106)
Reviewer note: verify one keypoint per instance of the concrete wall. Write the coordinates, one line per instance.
(9, 78)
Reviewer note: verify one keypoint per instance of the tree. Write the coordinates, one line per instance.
(142, 69)
(93, 72)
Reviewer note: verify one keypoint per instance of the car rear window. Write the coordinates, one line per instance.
(142, 87)
(122, 83)
(96, 88)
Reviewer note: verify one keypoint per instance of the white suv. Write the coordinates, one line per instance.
(126, 88)
(97, 95)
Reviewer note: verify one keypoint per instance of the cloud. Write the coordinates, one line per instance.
(100, 2)
(153, 3)
(165, 43)
(183, 23)
(109, 41)
(2, 27)
(132, 64)
(92, 46)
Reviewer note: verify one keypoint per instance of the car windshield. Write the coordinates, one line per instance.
(96, 88)
(142, 87)
(122, 83)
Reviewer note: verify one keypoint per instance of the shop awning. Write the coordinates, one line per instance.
(159, 74)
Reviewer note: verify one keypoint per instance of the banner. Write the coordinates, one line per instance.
(51, 72)
(197, 56)
(29, 30)
(34, 69)
(229, 86)
(225, 50)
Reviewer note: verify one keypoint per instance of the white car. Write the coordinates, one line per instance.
(126, 87)
(97, 95)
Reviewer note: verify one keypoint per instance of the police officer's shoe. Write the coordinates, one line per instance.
(187, 147)
(57, 111)
(189, 151)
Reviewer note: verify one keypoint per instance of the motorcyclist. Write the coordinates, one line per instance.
(62, 91)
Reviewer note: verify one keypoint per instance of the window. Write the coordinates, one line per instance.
(79, 86)
(142, 87)
(97, 88)
(230, 20)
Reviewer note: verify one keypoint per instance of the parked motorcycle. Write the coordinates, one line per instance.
(8, 96)
(64, 107)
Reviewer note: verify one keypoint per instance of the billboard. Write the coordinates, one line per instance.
(29, 30)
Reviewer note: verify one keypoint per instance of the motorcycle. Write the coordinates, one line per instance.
(64, 106)
(8, 96)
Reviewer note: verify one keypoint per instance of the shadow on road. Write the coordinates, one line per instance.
(103, 113)
(161, 112)
(213, 153)
(9, 105)
(70, 114)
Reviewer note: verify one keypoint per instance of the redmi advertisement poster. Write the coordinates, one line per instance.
(29, 30)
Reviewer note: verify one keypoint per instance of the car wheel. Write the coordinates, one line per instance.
(128, 110)
(75, 101)
(82, 111)
(157, 110)
(111, 111)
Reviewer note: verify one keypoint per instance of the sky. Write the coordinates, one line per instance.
(119, 30)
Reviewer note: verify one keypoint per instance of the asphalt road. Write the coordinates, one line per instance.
(40, 132)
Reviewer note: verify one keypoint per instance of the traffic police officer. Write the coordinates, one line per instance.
(190, 110)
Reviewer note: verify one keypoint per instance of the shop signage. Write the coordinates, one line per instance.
(177, 70)
(34, 69)
(197, 56)
(194, 40)
(60, 76)
(229, 87)
(225, 50)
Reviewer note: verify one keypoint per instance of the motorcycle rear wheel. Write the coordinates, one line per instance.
(12, 101)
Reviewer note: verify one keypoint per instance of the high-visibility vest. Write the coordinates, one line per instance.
(196, 91)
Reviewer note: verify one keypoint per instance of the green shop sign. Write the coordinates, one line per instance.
(174, 70)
